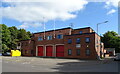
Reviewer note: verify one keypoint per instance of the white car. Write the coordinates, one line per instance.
(117, 57)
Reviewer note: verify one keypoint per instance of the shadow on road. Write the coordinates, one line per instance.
(87, 66)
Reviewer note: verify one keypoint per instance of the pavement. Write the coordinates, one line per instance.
(35, 64)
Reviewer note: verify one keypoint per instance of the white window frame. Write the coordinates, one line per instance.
(78, 45)
(40, 39)
(48, 37)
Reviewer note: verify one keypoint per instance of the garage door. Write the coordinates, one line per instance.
(40, 50)
(49, 51)
(60, 51)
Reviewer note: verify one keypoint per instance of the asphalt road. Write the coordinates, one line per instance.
(33, 64)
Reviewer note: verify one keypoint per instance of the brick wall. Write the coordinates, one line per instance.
(86, 32)
(84, 46)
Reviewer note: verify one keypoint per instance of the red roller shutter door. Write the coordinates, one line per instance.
(60, 51)
(40, 50)
(49, 51)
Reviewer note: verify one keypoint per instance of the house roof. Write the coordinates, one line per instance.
(53, 30)
(80, 34)
(63, 29)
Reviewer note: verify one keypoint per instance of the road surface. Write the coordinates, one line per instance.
(34, 64)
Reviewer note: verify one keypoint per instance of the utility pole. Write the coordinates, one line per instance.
(98, 35)
(54, 28)
(119, 29)
(44, 26)
(99, 24)
(71, 25)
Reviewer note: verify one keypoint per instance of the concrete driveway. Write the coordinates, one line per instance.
(34, 64)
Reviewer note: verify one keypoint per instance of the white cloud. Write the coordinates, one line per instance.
(23, 26)
(110, 3)
(26, 25)
(30, 11)
(111, 11)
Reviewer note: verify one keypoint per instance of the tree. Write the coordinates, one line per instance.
(6, 37)
(23, 35)
(4, 48)
(0, 38)
(29, 34)
(10, 36)
(14, 32)
(111, 40)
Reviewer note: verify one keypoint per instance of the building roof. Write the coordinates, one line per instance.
(80, 34)
(63, 29)
(83, 28)
(55, 30)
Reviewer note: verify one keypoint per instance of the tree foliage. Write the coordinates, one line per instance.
(10, 36)
(23, 35)
(4, 48)
(111, 40)
(5, 35)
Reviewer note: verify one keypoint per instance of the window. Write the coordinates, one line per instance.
(78, 45)
(78, 51)
(80, 32)
(98, 41)
(60, 36)
(78, 40)
(69, 52)
(87, 39)
(69, 41)
(87, 52)
(40, 38)
(49, 37)
(97, 45)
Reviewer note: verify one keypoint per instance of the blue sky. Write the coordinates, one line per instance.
(91, 14)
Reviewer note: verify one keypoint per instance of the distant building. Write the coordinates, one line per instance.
(82, 43)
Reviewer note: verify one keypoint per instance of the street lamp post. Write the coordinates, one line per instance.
(99, 24)
(98, 34)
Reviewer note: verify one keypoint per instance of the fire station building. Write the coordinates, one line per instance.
(81, 43)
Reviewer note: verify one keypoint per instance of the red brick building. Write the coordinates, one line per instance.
(82, 43)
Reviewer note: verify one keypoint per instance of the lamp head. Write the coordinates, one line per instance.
(105, 21)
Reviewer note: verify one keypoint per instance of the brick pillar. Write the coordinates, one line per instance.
(54, 50)
(44, 49)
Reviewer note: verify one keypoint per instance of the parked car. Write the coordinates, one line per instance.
(0, 54)
(117, 57)
(6, 54)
